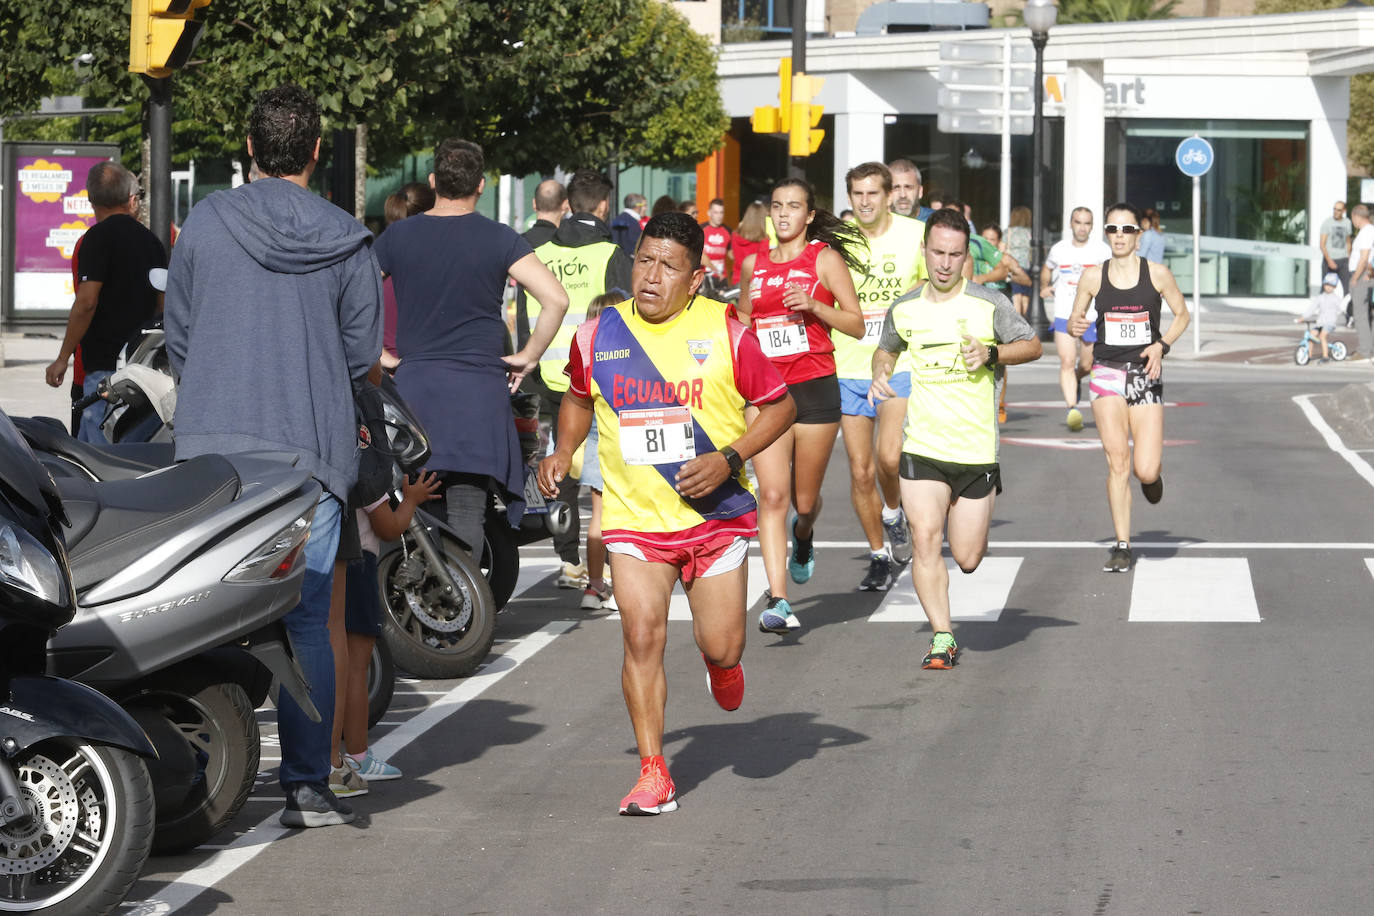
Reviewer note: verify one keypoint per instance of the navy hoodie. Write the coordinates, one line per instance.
(273, 308)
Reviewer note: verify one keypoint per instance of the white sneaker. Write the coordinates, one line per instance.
(573, 576)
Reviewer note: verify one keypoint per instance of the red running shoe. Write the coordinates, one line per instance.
(654, 793)
(727, 684)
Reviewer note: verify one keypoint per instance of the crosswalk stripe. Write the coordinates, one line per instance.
(981, 595)
(1193, 590)
(1369, 562)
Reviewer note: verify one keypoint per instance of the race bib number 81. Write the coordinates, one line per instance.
(660, 435)
(1128, 330)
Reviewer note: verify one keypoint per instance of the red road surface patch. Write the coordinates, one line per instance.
(1059, 405)
(1075, 443)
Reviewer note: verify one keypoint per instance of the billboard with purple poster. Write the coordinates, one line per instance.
(46, 211)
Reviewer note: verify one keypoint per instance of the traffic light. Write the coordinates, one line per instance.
(770, 120)
(803, 139)
(162, 34)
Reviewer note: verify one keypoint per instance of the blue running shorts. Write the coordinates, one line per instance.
(854, 394)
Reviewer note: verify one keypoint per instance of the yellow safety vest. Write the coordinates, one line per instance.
(582, 271)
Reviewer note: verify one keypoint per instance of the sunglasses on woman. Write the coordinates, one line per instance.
(1124, 229)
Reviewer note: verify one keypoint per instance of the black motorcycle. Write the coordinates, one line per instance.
(76, 800)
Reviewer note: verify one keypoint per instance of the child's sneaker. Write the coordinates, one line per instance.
(372, 768)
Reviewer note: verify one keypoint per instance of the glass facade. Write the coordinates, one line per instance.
(968, 167)
(1254, 200)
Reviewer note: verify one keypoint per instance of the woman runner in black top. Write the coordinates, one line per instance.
(1126, 389)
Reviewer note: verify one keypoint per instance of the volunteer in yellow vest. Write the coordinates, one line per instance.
(894, 267)
(669, 375)
(585, 259)
(958, 334)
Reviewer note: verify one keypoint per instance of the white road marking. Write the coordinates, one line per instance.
(533, 571)
(1333, 441)
(1142, 545)
(1369, 562)
(981, 595)
(191, 884)
(1193, 590)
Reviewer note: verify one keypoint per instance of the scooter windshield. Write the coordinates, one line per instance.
(21, 471)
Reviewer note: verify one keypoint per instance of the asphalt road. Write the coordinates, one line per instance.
(1192, 737)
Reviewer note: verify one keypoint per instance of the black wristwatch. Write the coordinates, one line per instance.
(1164, 344)
(992, 355)
(733, 459)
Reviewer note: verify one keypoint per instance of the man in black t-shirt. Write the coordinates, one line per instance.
(114, 295)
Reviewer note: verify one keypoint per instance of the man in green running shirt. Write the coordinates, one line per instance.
(958, 335)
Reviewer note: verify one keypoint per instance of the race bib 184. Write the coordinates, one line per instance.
(782, 335)
(657, 435)
(1127, 330)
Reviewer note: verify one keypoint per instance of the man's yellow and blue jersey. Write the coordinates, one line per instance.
(664, 393)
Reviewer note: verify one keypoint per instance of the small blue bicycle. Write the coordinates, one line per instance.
(1303, 354)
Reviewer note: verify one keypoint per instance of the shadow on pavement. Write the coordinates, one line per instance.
(1014, 626)
(758, 749)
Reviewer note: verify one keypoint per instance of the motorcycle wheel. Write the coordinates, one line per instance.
(381, 682)
(500, 558)
(429, 635)
(91, 832)
(215, 719)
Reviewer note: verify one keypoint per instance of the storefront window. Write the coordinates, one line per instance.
(968, 167)
(1254, 200)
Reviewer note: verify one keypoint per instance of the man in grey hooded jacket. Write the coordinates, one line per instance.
(273, 310)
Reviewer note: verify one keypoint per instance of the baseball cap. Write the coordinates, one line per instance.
(1331, 280)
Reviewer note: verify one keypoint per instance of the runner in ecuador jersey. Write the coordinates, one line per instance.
(669, 376)
(796, 293)
(959, 335)
(1126, 388)
(1063, 267)
(894, 265)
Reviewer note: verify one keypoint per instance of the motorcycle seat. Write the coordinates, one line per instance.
(105, 462)
(115, 523)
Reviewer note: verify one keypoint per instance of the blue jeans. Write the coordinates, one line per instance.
(305, 751)
(90, 430)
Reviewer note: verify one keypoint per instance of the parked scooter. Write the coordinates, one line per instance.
(177, 572)
(76, 800)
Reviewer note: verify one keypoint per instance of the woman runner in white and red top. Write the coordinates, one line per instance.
(795, 294)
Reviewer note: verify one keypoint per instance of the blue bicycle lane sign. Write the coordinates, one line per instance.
(1194, 157)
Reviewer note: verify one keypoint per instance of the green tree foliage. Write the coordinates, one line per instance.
(1115, 10)
(561, 82)
(1360, 137)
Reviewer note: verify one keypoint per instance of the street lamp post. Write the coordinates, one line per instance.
(1039, 15)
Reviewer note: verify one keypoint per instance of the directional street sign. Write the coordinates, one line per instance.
(985, 52)
(983, 100)
(982, 76)
(963, 122)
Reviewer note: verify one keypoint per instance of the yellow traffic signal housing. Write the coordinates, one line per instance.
(767, 120)
(785, 95)
(162, 34)
(803, 139)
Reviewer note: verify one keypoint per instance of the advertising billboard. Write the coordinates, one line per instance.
(46, 211)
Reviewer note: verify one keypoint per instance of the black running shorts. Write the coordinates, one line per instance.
(972, 480)
(817, 400)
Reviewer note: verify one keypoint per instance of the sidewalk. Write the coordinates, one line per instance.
(1259, 338)
(23, 393)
